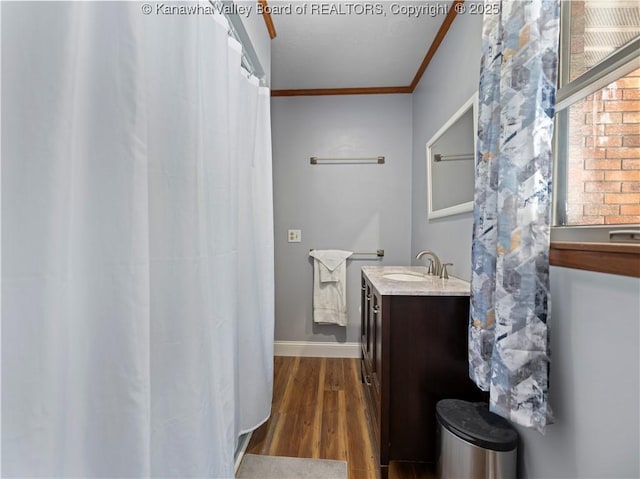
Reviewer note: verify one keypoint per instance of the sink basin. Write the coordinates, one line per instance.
(403, 277)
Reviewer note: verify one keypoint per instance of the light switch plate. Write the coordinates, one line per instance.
(294, 236)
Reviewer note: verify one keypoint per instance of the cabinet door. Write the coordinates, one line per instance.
(379, 389)
(364, 312)
(371, 335)
(368, 323)
(376, 340)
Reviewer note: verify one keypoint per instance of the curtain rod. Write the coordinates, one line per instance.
(250, 59)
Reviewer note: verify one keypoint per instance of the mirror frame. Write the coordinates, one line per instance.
(470, 104)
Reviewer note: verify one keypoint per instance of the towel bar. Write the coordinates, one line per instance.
(314, 160)
(379, 253)
(464, 156)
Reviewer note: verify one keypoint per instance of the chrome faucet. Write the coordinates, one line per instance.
(435, 267)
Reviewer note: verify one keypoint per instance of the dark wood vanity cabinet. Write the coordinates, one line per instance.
(414, 353)
(371, 349)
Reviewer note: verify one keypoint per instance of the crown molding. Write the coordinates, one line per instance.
(433, 48)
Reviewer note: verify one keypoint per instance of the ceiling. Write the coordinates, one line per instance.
(331, 44)
(339, 45)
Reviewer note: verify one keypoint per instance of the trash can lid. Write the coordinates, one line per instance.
(474, 423)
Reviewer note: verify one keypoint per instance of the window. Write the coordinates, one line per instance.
(598, 119)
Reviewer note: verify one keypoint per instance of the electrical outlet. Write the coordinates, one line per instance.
(294, 236)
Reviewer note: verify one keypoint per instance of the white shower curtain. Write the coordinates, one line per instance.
(137, 243)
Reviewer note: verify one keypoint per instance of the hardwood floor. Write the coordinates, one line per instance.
(318, 411)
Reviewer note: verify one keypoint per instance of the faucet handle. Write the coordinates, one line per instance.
(430, 268)
(443, 272)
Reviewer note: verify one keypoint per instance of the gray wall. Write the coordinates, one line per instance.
(449, 81)
(594, 389)
(351, 207)
(595, 320)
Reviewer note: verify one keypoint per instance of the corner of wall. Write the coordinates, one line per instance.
(449, 81)
(257, 31)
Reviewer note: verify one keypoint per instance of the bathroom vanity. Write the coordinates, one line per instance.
(414, 353)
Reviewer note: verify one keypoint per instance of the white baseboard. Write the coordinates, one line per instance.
(314, 349)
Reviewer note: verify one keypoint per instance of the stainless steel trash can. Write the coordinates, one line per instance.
(474, 443)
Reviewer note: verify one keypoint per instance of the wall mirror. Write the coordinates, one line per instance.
(451, 165)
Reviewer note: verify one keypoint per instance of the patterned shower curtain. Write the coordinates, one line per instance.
(508, 332)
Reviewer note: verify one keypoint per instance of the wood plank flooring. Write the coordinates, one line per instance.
(318, 411)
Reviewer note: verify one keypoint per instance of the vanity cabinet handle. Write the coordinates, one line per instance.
(376, 309)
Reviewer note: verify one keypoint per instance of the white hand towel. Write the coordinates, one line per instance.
(329, 261)
(329, 286)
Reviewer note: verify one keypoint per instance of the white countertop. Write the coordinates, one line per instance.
(430, 286)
